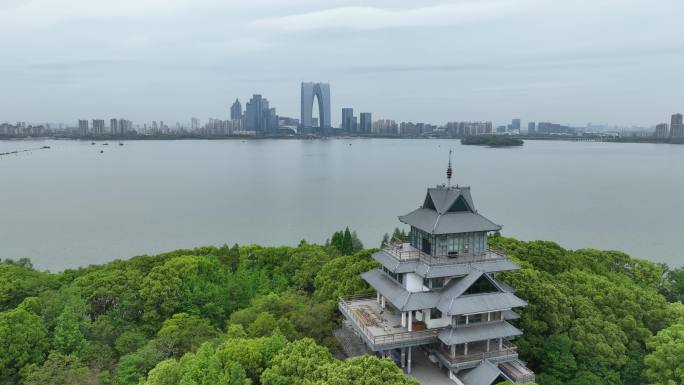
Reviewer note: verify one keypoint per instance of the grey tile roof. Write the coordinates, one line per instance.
(461, 269)
(485, 331)
(393, 264)
(485, 374)
(510, 315)
(448, 300)
(433, 222)
(401, 298)
(443, 197)
(480, 303)
(455, 288)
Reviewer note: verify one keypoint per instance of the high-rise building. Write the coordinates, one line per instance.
(253, 113)
(515, 124)
(347, 116)
(439, 292)
(676, 126)
(236, 111)
(321, 91)
(365, 122)
(662, 131)
(531, 128)
(259, 117)
(83, 127)
(125, 126)
(98, 126)
(114, 127)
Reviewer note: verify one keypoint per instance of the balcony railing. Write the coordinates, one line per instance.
(383, 339)
(508, 351)
(404, 251)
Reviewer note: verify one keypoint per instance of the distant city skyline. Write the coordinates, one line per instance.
(609, 62)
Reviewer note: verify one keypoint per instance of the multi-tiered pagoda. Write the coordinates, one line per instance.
(438, 295)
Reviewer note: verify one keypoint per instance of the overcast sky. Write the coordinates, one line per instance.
(599, 61)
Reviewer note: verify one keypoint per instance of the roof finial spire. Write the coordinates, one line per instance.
(449, 171)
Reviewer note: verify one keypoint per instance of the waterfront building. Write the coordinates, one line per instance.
(515, 124)
(365, 122)
(530, 128)
(321, 92)
(676, 126)
(385, 127)
(347, 117)
(83, 127)
(98, 126)
(113, 126)
(462, 129)
(125, 126)
(259, 117)
(437, 295)
(662, 131)
(236, 110)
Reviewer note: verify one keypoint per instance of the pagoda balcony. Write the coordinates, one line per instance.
(382, 329)
(504, 353)
(404, 251)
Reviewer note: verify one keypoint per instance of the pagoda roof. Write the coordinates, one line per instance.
(448, 210)
(484, 374)
(480, 303)
(449, 300)
(397, 295)
(478, 332)
(451, 270)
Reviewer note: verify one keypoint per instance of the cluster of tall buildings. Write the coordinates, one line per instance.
(258, 117)
(461, 129)
(22, 129)
(351, 125)
(548, 128)
(676, 129)
(117, 127)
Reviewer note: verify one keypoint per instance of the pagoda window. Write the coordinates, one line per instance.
(434, 283)
(398, 277)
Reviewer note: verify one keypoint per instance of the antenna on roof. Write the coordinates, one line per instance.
(449, 171)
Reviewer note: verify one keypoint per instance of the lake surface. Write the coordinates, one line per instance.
(71, 205)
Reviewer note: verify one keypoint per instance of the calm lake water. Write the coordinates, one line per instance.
(71, 206)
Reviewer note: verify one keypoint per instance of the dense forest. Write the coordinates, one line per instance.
(266, 315)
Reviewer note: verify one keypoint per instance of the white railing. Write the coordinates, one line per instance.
(404, 251)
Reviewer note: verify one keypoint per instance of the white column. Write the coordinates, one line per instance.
(403, 319)
(489, 316)
(467, 319)
(378, 297)
(465, 349)
(453, 351)
(410, 322)
(408, 367)
(500, 343)
(488, 345)
(382, 304)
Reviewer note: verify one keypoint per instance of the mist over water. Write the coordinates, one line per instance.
(71, 205)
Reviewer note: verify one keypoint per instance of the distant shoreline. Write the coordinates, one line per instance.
(314, 137)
